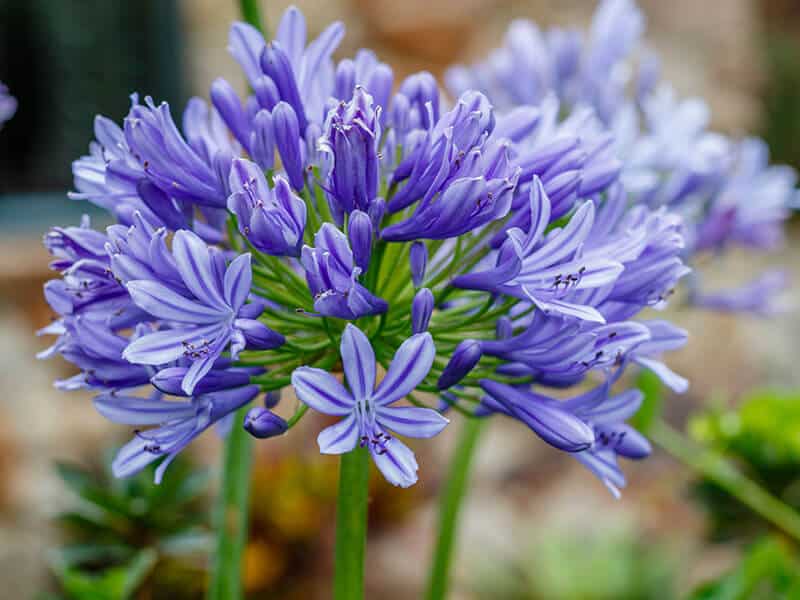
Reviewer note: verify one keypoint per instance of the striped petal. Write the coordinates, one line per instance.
(321, 391)
(358, 360)
(410, 365)
(339, 438)
(411, 421)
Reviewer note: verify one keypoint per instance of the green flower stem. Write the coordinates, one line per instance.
(231, 514)
(450, 505)
(251, 13)
(720, 470)
(351, 525)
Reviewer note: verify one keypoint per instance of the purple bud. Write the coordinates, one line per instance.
(359, 230)
(380, 86)
(169, 381)
(421, 89)
(266, 93)
(421, 310)
(276, 65)
(262, 423)
(257, 335)
(465, 357)
(262, 140)
(345, 80)
(229, 107)
(418, 258)
(504, 328)
(376, 211)
(287, 139)
(272, 398)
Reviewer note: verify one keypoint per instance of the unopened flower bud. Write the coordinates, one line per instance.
(465, 357)
(262, 423)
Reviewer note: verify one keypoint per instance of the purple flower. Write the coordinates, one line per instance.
(350, 139)
(301, 75)
(762, 296)
(272, 219)
(368, 417)
(194, 168)
(204, 322)
(546, 417)
(333, 278)
(559, 352)
(606, 415)
(8, 104)
(178, 424)
(547, 269)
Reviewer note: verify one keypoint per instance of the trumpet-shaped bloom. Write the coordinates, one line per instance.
(205, 322)
(333, 277)
(368, 417)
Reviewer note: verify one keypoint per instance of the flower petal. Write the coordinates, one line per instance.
(321, 391)
(132, 410)
(358, 360)
(411, 421)
(397, 462)
(162, 347)
(410, 365)
(339, 438)
(163, 303)
(194, 264)
(237, 282)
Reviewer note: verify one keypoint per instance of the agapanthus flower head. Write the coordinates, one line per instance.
(479, 251)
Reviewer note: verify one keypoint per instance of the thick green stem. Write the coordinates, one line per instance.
(231, 514)
(720, 470)
(351, 525)
(251, 12)
(451, 500)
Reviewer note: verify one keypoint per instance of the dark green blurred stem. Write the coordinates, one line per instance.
(252, 14)
(451, 499)
(716, 467)
(351, 525)
(231, 514)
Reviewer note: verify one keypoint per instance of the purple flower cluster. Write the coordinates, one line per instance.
(324, 223)
(725, 189)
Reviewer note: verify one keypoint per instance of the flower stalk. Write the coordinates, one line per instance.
(232, 514)
(451, 500)
(351, 525)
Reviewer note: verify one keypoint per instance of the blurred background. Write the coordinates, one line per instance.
(536, 526)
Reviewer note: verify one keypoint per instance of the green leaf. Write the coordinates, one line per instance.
(114, 583)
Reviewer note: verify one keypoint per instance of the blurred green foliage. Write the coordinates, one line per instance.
(768, 571)
(129, 538)
(762, 436)
(610, 565)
